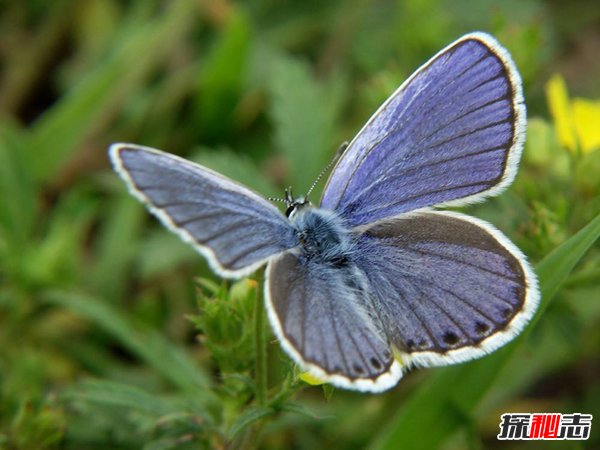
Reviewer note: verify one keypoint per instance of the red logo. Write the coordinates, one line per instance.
(545, 426)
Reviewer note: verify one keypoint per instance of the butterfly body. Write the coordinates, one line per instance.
(376, 278)
(323, 236)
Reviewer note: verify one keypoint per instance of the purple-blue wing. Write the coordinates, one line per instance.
(448, 287)
(451, 134)
(235, 228)
(324, 320)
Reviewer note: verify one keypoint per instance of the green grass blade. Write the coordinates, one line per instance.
(238, 167)
(120, 395)
(167, 359)
(442, 404)
(17, 189)
(56, 135)
(304, 115)
(116, 248)
(250, 416)
(126, 396)
(222, 78)
(554, 269)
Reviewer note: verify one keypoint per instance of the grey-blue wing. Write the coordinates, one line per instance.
(323, 319)
(448, 287)
(236, 229)
(451, 134)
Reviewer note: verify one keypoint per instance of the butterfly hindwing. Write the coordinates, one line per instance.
(451, 134)
(448, 287)
(236, 229)
(322, 317)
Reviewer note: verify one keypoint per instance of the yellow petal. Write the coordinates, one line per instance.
(558, 102)
(311, 379)
(586, 116)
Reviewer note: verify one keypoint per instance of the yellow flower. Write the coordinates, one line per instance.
(587, 123)
(577, 122)
(311, 379)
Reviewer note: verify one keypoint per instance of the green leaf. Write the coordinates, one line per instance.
(54, 259)
(17, 190)
(554, 269)
(251, 415)
(239, 168)
(167, 359)
(168, 443)
(121, 395)
(304, 112)
(143, 415)
(438, 408)
(92, 101)
(222, 77)
(116, 247)
(298, 408)
(162, 251)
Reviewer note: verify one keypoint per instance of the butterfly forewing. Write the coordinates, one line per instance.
(451, 134)
(234, 227)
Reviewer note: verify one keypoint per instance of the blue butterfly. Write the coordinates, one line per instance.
(374, 280)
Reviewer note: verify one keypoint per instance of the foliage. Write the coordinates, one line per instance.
(116, 335)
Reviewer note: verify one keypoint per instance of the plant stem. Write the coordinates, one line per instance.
(260, 342)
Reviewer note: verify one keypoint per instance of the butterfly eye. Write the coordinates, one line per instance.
(295, 205)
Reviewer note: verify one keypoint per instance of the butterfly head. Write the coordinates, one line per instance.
(295, 204)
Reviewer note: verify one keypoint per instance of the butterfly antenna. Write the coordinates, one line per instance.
(276, 199)
(339, 152)
(288, 199)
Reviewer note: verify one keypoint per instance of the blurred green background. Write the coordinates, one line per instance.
(113, 334)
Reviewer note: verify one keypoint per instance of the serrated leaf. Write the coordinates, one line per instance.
(121, 395)
(298, 408)
(166, 443)
(167, 359)
(304, 114)
(251, 415)
(54, 258)
(239, 168)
